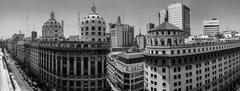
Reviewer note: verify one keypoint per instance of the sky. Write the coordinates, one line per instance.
(133, 12)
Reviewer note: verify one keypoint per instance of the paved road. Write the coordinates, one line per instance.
(18, 76)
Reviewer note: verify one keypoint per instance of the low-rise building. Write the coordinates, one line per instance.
(126, 71)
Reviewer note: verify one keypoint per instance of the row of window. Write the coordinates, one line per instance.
(93, 21)
(189, 50)
(93, 28)
(166, 33)
(93, 33)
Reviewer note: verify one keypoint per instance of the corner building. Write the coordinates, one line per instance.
(74, 65)
(171, 65)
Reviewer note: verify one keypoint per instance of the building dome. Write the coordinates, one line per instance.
(93, 27)
(165, 35)
(52, 29)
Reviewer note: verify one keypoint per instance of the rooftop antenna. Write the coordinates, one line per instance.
(123, 14)
(26, 22)
(34, 27)
(79, 31)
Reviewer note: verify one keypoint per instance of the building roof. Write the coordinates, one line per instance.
(165, 26)
(131, 55)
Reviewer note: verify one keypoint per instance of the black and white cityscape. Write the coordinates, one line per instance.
(119, 45)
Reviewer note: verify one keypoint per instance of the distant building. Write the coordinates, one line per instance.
(211, 27)
(229, 33)
(126, 71)
(34, 35)
(163, 16)
(149, 26)
(141, 41)
(177, 14)
(122, 35)
(74, 38)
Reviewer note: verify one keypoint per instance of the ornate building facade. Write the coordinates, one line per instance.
(172, 65)
(66, 65)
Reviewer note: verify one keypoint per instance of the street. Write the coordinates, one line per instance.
(24, 86)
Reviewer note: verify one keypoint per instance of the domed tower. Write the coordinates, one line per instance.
(52, 30)
(93, 27)
(161, 44)
(163, 37)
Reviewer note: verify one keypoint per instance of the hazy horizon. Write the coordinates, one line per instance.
(133, 12)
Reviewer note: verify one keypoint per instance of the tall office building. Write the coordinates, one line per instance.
(149, 26)
(141, 41)
(122, 35)
(177, 14)
(34, 35)
(211, 27)
(163, 16)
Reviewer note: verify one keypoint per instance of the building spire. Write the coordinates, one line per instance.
(93, 7)
(140, 31)
(119, 20)
(52, 15)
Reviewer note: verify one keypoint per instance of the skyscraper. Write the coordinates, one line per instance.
(149, 26)
(163, 15)
(211, 27)
(122, 35)
(34, 35)
(177, 14)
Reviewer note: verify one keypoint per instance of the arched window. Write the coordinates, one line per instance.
(93, 21)
(151, 42)
(169, 42)
(162, 42)
(175, 41)
(86, 28)
(87, 21)
(99, 28)
(156, 42)
(104, 29)
(93, 28)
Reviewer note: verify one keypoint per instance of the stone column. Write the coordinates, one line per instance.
(82, 69)
(61, 65)
(96, 65)
(68, 65)
(75, 66)
(103, 58)
(89, 65)
(56, 64)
